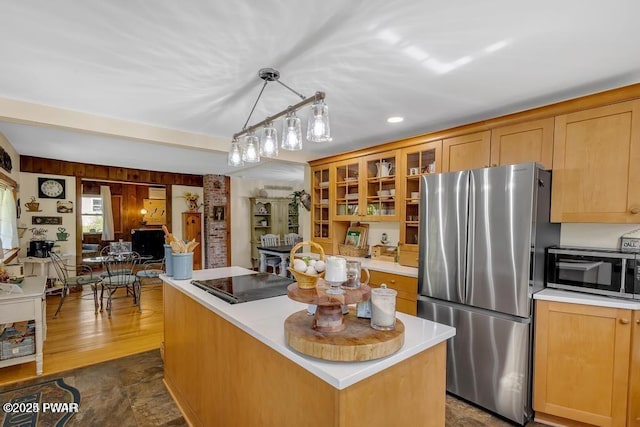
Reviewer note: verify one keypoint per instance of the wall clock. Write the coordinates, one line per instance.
(51, 188)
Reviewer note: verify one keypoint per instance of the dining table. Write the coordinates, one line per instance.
(281, 251)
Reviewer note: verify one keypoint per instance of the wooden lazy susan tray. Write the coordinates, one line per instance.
(330, 335)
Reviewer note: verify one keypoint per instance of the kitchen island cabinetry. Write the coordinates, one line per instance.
(595, 165)
(586, 359)
(228, 364)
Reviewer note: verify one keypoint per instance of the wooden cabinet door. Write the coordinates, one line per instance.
(422, 159)
(524, 142)
(634, 377)
(407, 287)
(380, 187)
(192, 229)
(582, 362)
(348, 187)
(321, 203)
(596, 177)
(466, 152)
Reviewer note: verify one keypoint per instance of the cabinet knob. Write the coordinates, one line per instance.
(635, 211)
(393, 281)
(624, 321)
(637, 321)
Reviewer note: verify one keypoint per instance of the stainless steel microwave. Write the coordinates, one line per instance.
(592, 270)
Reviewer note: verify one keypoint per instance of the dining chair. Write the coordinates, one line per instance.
(120, 273)
(71, 275)
(150, 270)
(267, 240)
(292, 238)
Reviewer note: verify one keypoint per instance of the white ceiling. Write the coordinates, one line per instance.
(192, 66)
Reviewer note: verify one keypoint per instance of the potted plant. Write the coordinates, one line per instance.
(301, 197)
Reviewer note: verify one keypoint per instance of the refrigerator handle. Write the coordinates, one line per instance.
(469, 239)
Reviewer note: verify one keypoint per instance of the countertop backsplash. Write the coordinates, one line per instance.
(594, 235)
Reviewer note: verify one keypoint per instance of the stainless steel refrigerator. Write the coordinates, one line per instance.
(483, 233)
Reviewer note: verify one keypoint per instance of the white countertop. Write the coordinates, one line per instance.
(560, 295)
(264, 320)
(377, 265)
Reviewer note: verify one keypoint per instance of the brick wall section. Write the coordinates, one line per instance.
(216, 195)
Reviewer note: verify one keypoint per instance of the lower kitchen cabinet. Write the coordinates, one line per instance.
(407, 287)
(634, 375)
(586, 364)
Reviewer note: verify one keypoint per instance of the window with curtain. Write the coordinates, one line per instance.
(8, 222)
(92, 214)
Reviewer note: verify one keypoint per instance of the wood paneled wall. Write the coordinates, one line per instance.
(131, 201)
(110, 173)
(122, 181)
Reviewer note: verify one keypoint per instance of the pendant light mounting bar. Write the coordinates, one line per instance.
(317, 97)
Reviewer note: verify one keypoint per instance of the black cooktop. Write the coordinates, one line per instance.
(245, 288)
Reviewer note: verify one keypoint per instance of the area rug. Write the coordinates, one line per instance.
(51, 403)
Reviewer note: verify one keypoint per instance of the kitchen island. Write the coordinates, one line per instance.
(228, 364)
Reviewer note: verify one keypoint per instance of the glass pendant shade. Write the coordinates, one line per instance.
(269, 141)
(292, 133)
(235, 154)
(318, 126)
(251, 152)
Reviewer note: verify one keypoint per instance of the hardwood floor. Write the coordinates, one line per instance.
(80, 338)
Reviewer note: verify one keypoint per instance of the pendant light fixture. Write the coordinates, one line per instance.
(251, 151)
(318, 126)
(269, 141)
(235, 154)
(253, 148)
(292, 132)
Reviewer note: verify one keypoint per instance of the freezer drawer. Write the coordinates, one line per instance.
(489, 359)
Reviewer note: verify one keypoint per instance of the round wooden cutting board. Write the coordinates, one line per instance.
(356, 343)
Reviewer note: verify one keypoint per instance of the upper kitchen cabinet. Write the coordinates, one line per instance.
(595, 165)
(466, 152)
(524, 142)
(321, 206)
(414, 162)
(380, 186)
(349, 189)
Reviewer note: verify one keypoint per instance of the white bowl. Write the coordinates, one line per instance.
(392, 192)
(383, 192)
(415, 194)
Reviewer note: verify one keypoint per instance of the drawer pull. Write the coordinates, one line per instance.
(635, 211)
(624, 321)
(393, 281)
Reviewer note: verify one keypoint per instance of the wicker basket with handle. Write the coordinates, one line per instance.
(305, 281)
(350, 250)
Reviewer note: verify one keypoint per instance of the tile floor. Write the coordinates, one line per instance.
(130, 392)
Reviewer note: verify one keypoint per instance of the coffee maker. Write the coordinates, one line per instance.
(40, 248)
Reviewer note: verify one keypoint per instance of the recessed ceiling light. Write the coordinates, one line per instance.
(395, 119)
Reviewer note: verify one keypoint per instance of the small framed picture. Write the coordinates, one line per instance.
(64, 206)
(46, 220)
(218, 213)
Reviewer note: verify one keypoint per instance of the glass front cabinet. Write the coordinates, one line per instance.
(349, 190)
(380, 185)
(416, 161)
(322, 208)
